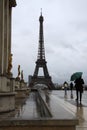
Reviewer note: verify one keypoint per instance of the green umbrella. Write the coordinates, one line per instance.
(76, 75)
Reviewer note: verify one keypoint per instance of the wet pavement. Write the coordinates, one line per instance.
(80, 111)
(27, 109)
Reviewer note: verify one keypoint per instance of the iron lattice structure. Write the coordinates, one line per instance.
(41, 62)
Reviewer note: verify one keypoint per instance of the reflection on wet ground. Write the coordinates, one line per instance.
(27, 108)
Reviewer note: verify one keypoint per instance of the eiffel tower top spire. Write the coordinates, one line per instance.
(41, 50)
(41, 11)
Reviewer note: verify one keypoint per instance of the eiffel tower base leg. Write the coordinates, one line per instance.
(42, 80)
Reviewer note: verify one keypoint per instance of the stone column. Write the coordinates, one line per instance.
(5, 36)
(10, 20)
(5, 33)
(7, 43)
(1, 35)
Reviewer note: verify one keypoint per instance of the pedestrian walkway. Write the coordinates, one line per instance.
(80, 111)
(62, 107)
(26, 114)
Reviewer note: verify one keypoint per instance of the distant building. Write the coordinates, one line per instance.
(29, 79)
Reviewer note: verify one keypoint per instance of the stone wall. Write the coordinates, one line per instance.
(7, 102)
(44, 124)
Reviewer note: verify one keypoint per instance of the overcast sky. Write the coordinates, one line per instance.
(65, 37)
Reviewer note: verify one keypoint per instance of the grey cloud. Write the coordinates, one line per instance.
(65, 36)
(79, 25)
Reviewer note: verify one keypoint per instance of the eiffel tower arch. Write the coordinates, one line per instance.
(41, 62)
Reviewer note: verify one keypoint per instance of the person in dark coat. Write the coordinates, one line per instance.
(79, 88)
(71, 88)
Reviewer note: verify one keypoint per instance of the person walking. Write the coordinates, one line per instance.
(71, 88)
(79, 88)
(65, 87)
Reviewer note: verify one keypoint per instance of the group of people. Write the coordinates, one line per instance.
(78, 86)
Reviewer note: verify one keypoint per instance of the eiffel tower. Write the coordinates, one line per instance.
(41, 62)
